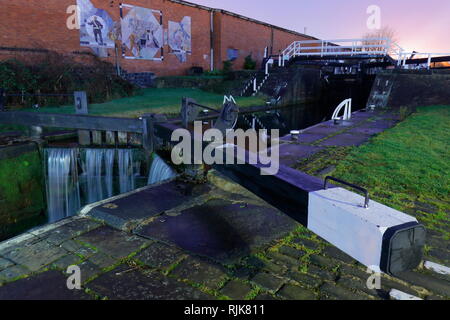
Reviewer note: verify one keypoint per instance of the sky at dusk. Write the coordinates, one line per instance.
(422, 25)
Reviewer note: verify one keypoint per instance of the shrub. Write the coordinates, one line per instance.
(228, 69)
(249, 63)
(56, 73)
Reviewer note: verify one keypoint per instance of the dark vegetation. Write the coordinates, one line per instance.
(54, 73)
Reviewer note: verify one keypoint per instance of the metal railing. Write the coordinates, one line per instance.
(338, 47)
(369, 47)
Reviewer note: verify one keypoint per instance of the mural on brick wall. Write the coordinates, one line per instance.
(142, 33)
(179, 38)
(96, 28)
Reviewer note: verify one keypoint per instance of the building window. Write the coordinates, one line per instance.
(232, 54)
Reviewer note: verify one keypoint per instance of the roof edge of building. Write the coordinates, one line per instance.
(190, 4)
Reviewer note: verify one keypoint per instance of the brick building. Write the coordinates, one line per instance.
(166, 37)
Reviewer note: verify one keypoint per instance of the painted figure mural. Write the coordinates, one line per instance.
(139, 32)
(142, 33)
(179, 38)
(96, 26)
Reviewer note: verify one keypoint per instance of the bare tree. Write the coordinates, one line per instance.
(383, 33)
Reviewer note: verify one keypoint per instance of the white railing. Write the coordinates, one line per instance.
(403, 56)
(377, 47)
(338, 47)
(347, 106)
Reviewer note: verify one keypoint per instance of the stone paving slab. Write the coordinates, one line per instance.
(361, 115)
(141, 205)
(220, 229)
(200, 271)
(124, 283)
(268, 281)
(12, 273)
(291, 153)
(159, 255)
(236, 290)
(117, 244)
(325, 129)
(50, 285)
(291, 292)
(23, 240)
(305, 138)
(365, 131)
(383, 124)
(36, 256)
(345, 140)
(66, 230)
(4, 263)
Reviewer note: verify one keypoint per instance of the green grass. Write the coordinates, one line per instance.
(154, 100)
(408, 167)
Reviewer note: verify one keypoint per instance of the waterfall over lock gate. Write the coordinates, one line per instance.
(63, 192)
(97, 176)
(160, 171)
(77, 177)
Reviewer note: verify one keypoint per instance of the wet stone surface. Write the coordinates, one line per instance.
(236, 290)
(124, 283)
(142, 205)
(159, 255)
(36, 256)
(220, 229)
(305, 138)
(345, 139)
(291, 292)
(12, 273)
(290, 154)
(325, 129)
(50, 285)
(4, 263)
(199, 271)
(268, 281)
(68, 231)
(115, 243)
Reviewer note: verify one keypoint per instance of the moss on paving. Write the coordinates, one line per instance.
(153, 100)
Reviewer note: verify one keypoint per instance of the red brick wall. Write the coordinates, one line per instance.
(42, 24)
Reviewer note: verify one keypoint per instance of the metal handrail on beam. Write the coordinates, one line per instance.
(73, 121)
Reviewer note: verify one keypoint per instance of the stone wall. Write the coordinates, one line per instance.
(410, 89)
(22, 196)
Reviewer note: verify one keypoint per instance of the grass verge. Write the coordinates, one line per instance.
(153, 100)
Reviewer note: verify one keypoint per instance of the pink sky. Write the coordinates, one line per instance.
(422, 25)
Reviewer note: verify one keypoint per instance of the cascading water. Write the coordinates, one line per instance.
(160, 171)
(63, 192)
(127, 175)
(104, 174)
(97, 177)
(100, 178)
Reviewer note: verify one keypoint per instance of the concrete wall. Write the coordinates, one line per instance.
(30, 26)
